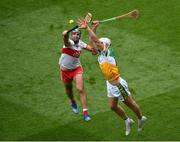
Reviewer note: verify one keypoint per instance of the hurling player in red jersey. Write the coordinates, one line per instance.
(71, 68)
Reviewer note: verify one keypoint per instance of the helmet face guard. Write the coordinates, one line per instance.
(75, 39)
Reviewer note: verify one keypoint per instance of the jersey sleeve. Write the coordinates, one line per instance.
(82, 44)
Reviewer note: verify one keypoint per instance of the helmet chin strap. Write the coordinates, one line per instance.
(76, 42)
(106, 49)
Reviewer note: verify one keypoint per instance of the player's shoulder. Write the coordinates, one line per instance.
(82, 44)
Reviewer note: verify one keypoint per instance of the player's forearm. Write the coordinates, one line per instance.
(95, 24)
(94, 38)
(92, 35)
(65, 38)
(94, 29)
(91, 49)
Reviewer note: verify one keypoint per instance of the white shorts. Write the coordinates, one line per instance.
(113, 91)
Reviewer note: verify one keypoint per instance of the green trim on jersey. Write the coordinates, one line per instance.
(108, 52)
(111, 52)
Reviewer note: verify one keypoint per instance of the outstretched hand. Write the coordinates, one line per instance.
(82, 24)
(64, 33)
(95, 23)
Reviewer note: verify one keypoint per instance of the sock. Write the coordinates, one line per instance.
(85, 111)
(73, 101)
(73, 104)
(127, 121)
(126, 118)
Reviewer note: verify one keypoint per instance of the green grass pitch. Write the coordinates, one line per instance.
(33, 104)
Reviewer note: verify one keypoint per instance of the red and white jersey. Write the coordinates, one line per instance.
(70, 55)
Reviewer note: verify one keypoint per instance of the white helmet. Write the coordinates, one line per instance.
(106, 41)
(76, 31)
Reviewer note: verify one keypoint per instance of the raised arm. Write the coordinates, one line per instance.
(95, 24)
(94, 27)
(66, 38)
(83, 25)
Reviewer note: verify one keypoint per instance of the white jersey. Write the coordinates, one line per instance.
(70, 59)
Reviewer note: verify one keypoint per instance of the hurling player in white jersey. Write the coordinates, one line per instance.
(117, 87)
(71, 69)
